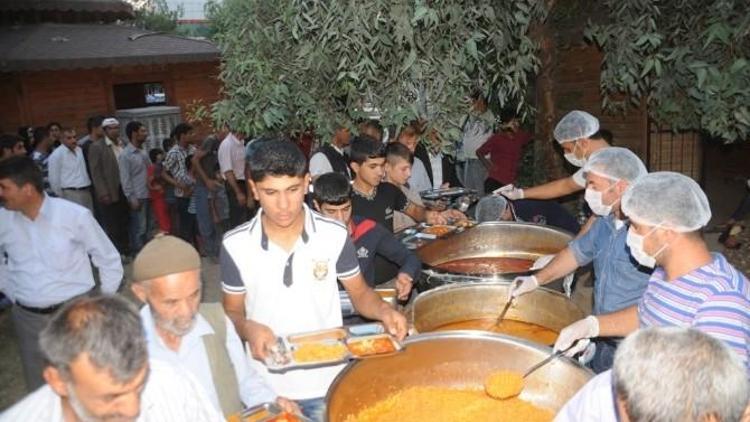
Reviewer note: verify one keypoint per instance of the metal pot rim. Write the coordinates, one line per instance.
(464, 334)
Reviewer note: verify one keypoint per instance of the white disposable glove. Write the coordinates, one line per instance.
(522, 285)
(542, 262)
(509, 191)
(582, 330)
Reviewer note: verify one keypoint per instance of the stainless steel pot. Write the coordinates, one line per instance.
(466, 301)
(461, 359)
(489, 239)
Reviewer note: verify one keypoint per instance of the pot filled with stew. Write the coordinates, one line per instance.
(491, 250)
(537, 316)
(443, 377)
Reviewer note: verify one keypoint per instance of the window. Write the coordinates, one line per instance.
(136, 95)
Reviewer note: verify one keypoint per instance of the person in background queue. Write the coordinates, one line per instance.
(98, 369)
(178, 176)
(68, 178)
(665, 374)
(691, 286)
(47, 243)
(11, 146)
(505, 150)
(193, 335)
(418, 180)
(332, 198)
(476, 129)
(398, 170)
(372, 129)
(208, 183)
(111, 210)
(232, 163)
(377, 200)
(619, 281)
(441, 167)
(548, 213)
(279, 273)
(41, 152)
(331, 157)
(54, 129)
(134, 163)
(577, 133)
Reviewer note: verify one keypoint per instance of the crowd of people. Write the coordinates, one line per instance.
(290, 234)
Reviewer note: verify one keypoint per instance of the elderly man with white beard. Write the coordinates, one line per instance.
(191, 335)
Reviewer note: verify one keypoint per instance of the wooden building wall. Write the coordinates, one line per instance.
(576, 82)
(71, 96)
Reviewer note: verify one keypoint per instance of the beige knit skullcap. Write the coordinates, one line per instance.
(165, 255)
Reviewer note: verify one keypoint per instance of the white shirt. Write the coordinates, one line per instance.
(475, 134)
(67, 169)
(192, 357)
(114, 146)
(232, 157)
(436, 162)
(319, 163)
(254, 265)
(592, 403)
(48, 258)
(170, 395)
(419, 180)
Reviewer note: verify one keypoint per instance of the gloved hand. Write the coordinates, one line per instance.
(580, 330)
(522, 285)
(509, 191)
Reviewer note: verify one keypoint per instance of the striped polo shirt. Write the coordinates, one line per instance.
(714, 298)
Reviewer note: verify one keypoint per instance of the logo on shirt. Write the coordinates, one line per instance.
(362, 252)
(320, 269)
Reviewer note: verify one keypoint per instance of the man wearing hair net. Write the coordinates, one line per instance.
(691, 287)
(620, 281)
(578, 135)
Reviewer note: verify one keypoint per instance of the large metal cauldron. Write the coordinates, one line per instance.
(466, 301)
(461, 359)
(491, 239)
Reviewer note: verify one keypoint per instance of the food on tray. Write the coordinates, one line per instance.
(318, 352)
(376, 345)
(441, 404)
(438, 230)
(486, 266)
(332, 334)
(504, 384)
(285, 417)
(525, 330)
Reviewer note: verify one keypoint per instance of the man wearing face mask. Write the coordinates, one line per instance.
(579, 136)
(691, 287)
(620, 281)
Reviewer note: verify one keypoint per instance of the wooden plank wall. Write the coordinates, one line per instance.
(71, 96)
(577, 87)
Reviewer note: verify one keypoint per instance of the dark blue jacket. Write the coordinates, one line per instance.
(370, 239)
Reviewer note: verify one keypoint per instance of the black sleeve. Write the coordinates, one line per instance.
(391, 249)
(400, 201)
(231, 280)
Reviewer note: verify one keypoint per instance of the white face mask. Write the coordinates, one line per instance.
(594, 199)
(573, 158)
(635, 243)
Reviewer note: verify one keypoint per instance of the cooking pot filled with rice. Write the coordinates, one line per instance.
(441, 377)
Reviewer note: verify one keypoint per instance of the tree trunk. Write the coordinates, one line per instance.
(547, 161)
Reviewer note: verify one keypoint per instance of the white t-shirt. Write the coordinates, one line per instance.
(291, 292)
(170, 395)
(592, 403)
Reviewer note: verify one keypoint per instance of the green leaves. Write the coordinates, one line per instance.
(291, 64)
(687, 61)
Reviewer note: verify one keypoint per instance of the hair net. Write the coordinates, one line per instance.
(490, 208)
(616, 163)
(668, 199)
(576, 125)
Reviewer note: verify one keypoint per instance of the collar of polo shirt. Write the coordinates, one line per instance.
(305, 237)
